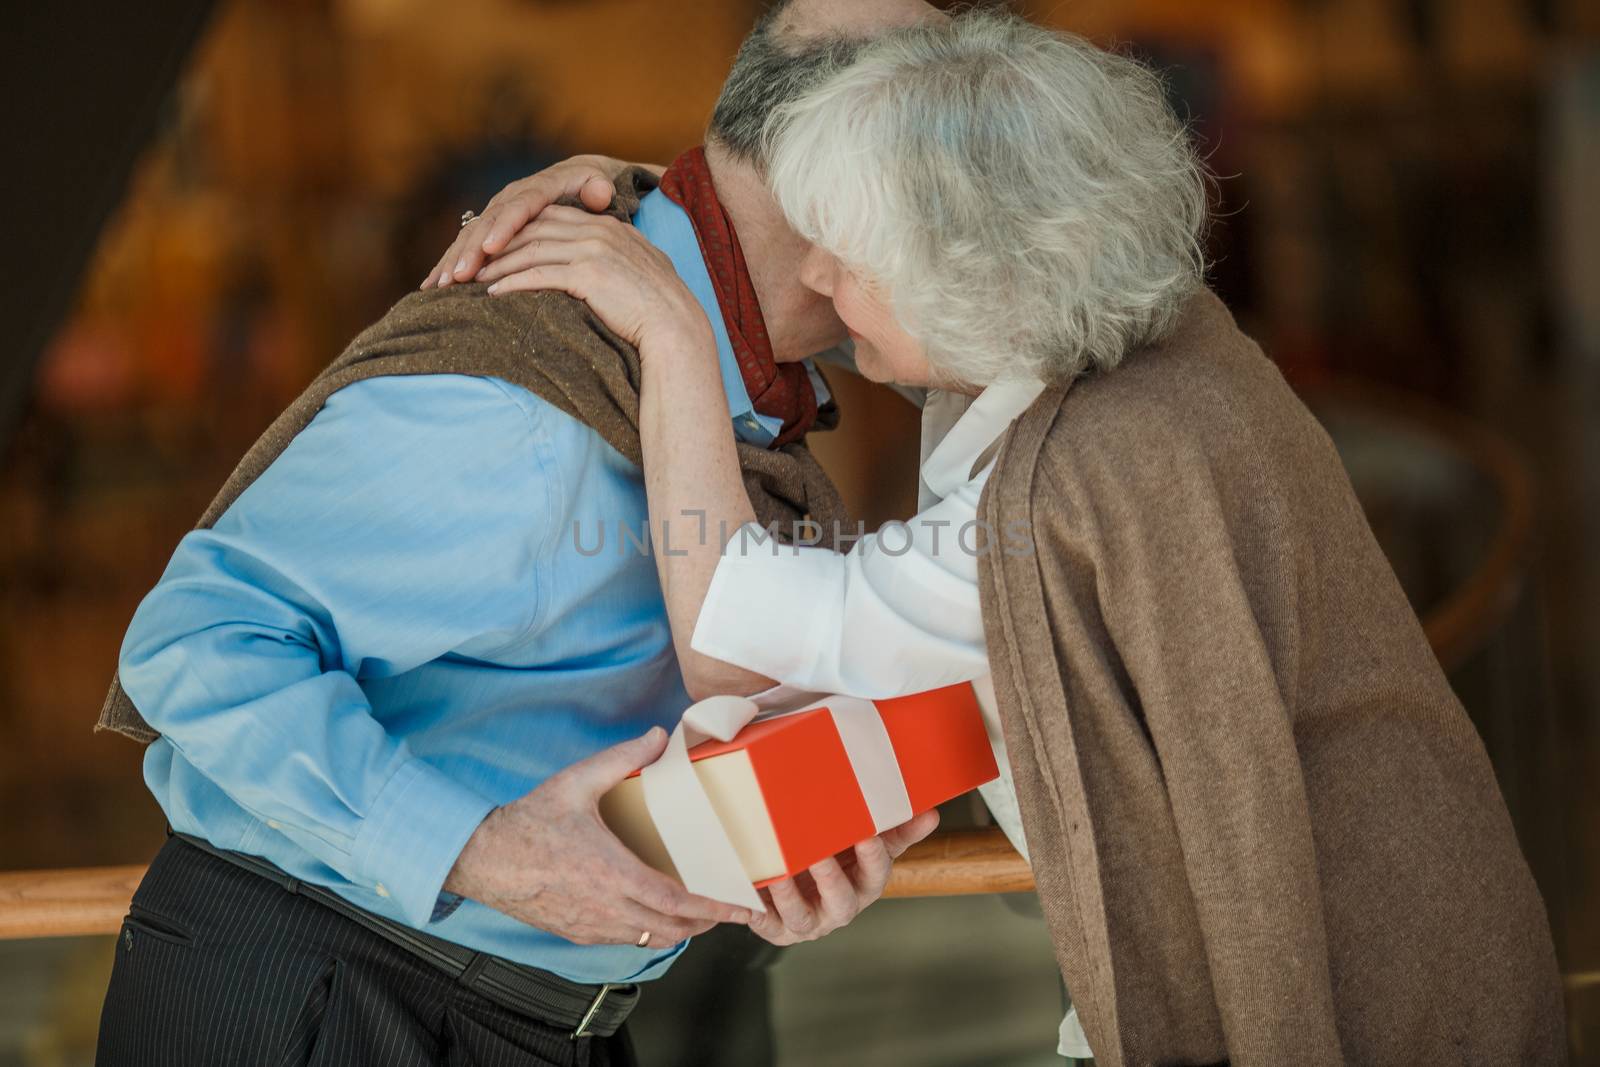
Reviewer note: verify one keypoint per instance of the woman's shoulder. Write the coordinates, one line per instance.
(1202, 407)
(1206, 386)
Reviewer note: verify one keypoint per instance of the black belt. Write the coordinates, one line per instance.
(589, 1010)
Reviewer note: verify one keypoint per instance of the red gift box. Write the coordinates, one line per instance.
(786, 792)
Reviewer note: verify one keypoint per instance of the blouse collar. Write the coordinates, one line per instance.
(949, 465)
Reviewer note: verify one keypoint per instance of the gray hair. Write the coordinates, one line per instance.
(768, 72)
(1028, 202)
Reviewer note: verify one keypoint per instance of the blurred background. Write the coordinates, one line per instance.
(207, 201)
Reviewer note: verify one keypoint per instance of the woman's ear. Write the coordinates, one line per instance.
(817, 269)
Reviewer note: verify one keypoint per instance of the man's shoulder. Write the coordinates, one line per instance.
(469, 412)
(420, 422)
(1204, 408)
(465, 325)
(542, 353)
(444, 398)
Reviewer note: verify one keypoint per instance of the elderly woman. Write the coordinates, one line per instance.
(1262, 827)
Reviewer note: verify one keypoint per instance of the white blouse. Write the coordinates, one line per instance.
(898, 612)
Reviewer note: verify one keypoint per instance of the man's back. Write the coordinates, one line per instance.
(422, 609)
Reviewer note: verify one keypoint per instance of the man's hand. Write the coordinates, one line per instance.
(592, 179)
(832, 893)
(548, 860)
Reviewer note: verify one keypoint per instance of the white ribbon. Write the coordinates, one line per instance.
(871, 753)
(693, 835)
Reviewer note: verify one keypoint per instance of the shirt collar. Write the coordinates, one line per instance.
(949, 465)
(667, 226)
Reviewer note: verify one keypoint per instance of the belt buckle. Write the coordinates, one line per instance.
(594, 1009)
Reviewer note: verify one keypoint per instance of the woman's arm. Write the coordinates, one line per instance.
(898, 614)
(696, 491)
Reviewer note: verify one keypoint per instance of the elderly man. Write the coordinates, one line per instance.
(384, 687)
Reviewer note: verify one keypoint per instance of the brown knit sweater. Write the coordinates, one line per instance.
(546, 342)
(1263, 829)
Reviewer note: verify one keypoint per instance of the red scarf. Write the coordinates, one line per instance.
(780, 390)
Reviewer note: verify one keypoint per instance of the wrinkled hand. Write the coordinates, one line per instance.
(819, 901)
(628, 282)
(548, 860)
(592, 179)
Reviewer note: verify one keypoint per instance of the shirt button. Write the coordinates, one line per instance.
(750, 423)
(275, 824)
(382, 891)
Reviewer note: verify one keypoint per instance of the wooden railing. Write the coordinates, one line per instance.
(84, 900)
(960, 863)
(93, 900)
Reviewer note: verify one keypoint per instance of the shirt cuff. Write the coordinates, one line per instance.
(412, 836)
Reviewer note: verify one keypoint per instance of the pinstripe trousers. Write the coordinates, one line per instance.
(216, 966)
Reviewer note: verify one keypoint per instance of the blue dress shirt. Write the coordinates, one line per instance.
(403, 623)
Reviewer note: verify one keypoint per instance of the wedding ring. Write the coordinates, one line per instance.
(644, 939)
(466, 217)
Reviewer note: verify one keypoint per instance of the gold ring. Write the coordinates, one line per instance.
(644, 939)
(466, 217)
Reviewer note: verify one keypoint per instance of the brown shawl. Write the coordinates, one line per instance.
(1263, 829)
(551, 345)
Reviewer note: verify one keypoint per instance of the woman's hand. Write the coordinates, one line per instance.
(592, 179)
(832, 893)
(628, 282)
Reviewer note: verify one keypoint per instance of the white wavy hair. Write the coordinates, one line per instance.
(1028, 203)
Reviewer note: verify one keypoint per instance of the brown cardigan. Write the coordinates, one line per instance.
(551, 345)
(1262, 827)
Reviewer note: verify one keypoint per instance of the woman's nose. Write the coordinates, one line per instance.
(816, 271)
